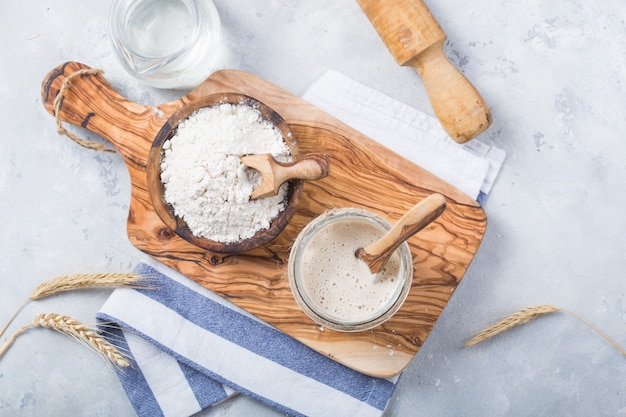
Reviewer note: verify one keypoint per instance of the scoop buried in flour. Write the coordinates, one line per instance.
(204, 179)
(313, 166)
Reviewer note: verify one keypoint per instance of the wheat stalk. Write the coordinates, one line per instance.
(65, 283)
(82, 281)
(523, 316)
(75, 329)
(600, 332)
(528, 314)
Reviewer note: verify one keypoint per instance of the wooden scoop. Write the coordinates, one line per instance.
(414, 220)
(311, 167)
(415, 39)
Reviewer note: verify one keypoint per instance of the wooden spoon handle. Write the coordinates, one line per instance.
(311, 167)
(459, 107)
(414, 220)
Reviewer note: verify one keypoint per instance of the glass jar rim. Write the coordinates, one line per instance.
(120, 9)
(321, 316)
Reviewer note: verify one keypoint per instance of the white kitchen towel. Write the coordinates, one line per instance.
(471, 167)
(190, 349)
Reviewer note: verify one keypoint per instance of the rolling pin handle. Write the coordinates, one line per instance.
(459, 107)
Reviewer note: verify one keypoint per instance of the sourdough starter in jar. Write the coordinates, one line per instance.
(333, 286)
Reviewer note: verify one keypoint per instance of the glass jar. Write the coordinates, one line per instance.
(166, 43)
(335, 288)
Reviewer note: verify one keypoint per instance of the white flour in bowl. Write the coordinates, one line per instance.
(205, 181)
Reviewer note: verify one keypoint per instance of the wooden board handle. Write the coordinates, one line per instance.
(89, 101)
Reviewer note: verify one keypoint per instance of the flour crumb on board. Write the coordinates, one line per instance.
(205, 181)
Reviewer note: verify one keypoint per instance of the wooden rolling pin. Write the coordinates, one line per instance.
(415, 39)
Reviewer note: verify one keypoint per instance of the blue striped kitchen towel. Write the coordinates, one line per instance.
(191, 349)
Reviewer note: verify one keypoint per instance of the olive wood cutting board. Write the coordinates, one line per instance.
(363, 174)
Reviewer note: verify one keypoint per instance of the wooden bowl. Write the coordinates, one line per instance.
(166, 211)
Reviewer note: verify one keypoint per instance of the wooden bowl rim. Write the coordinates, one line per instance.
(156, 188)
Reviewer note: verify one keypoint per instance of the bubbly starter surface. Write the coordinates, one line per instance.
(338, 282)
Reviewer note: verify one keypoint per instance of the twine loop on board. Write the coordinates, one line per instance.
(57, 107)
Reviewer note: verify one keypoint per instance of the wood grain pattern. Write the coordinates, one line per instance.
(363, 174)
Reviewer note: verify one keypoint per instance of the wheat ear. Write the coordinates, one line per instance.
(523, 316)
(75, 329)
(528, 314)
(76, 282)
(82, 281)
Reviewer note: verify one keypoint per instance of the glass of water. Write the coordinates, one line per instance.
(166, 43)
